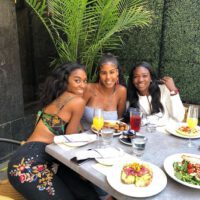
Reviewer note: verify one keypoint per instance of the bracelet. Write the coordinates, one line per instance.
(174, 92)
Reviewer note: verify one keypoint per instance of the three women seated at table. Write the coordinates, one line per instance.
(31, 170)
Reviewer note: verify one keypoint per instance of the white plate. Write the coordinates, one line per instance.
(77, 140)
(168, 166)
(107, 161)
(172, 129)
(112, 121)
(125, 140)
(158, 183)
(111, 161)
(76, 144)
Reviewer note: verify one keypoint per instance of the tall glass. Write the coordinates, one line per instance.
(98, 122)
(192, 121)
(135, 119)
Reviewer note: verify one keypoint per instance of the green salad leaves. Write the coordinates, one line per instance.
(187, 172)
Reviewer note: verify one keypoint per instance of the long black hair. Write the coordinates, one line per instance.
(110, 58)
(56, 82)
(154, 89)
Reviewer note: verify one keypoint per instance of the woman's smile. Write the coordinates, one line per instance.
(142, 80)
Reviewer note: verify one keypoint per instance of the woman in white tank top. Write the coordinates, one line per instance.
(107, 93)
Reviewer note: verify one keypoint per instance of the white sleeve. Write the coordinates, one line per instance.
(173, 105)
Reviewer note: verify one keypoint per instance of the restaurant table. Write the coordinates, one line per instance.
(160, 145)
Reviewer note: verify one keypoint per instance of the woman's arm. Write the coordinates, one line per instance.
(121, 105)
(173, 103)
(169, 82)
(177, 108)
(76, 109)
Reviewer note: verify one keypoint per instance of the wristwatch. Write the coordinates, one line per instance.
(174, 92)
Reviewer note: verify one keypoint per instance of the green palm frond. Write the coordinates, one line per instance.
(82, 29)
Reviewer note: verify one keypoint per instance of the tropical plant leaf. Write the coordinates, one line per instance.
(82, 29)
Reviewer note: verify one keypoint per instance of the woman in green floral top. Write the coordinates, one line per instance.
(30, 170)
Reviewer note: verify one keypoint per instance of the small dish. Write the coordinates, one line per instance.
(129, 134)
(126, 140)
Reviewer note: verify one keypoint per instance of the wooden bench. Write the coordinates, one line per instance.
(8, 192)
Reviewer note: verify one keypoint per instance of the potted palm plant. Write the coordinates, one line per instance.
(82, 29)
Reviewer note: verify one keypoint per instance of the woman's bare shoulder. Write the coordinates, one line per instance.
(75, 105)
(91, 87)
(77, 100)
(121, 89)
(74, 100)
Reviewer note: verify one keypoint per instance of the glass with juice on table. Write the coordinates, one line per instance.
(192, 121)
(135, 119)
(98, 122)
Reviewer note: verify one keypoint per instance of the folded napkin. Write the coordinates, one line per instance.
(73, 138)
(109, 152)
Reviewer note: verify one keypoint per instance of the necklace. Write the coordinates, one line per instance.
(150, 105)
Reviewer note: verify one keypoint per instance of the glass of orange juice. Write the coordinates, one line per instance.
(98, 122)
(192, 121)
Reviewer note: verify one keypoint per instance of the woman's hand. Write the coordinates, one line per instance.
(169, 82)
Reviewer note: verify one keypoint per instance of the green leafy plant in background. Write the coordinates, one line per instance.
(82, 29)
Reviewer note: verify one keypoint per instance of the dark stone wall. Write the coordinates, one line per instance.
(36, 52)
(43, 49)
(18, 129)
(22, 38)
(26, 55)
(12, 119)
(11, 98)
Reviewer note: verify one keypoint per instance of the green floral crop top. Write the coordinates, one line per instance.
(52, 121)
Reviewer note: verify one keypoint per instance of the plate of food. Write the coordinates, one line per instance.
(184, 168)
(136, 178)
(183, 131)
(117, 125)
